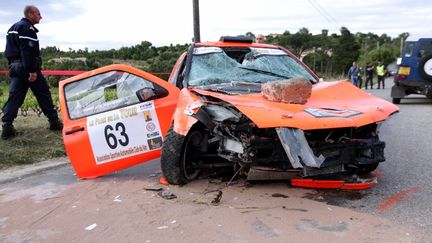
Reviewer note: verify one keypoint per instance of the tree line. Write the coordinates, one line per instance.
(327, 54)
(332, 55)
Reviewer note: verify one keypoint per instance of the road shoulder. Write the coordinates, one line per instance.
(19, 172)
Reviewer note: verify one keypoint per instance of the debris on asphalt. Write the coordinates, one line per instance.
(215, 181)
(295, 209)
(279, 195)
(167, 195)
(116, 199)
(199, 201)
(154, 189)
(208, 190)
(91, 227)
(217, 199)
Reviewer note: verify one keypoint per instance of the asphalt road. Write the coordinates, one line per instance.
(402, 195)
(404, 191)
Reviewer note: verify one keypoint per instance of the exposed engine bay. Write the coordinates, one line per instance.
(231, 139)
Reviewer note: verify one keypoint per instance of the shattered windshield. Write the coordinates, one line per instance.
(214, 65)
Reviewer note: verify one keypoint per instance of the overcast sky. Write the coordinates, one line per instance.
(106, 24)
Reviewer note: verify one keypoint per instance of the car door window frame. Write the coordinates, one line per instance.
(102, 89)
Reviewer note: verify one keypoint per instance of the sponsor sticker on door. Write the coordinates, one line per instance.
(124, 132)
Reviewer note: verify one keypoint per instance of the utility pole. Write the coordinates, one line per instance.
(196, 23)
(402, 37)
(379, 52)
(401, 45)
(365, 56)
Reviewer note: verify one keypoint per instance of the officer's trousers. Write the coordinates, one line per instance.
(381, 80)
(18, 87)
(369, 81)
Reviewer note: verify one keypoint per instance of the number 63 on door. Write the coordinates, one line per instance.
(124, 132)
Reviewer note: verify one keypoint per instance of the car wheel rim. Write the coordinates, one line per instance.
(190, 155)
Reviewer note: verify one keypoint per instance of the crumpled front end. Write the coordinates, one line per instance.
(232, 139)
(330, 151)
(308, 153)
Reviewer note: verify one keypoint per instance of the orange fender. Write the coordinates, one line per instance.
(188, 104)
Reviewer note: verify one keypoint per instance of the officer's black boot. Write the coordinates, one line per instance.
(56, 125)
(8, 131)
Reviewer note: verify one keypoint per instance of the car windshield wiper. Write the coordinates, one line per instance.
(266, 72)
(234, 87)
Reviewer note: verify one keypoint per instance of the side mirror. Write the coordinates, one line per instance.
(148, 93)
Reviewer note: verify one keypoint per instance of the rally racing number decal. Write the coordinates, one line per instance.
(124, 132)
(111, 139)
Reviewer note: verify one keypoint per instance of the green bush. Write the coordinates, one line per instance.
(53, 80)
(30, 103)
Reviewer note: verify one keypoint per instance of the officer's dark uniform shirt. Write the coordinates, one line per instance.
(22, 45)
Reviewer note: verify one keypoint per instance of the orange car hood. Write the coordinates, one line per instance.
(338, 98)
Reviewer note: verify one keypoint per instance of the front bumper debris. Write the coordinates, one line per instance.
(346, 184)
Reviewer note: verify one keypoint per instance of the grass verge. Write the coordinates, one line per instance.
(37, 143)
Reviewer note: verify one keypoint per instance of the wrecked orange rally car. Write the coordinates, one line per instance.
(246, 106)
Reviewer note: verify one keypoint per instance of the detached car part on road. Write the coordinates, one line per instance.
(231, 103)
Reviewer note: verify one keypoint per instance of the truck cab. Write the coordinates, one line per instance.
(414, 75)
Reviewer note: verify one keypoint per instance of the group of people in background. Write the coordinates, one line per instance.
(355, 75)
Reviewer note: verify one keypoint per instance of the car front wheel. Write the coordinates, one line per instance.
(180, 156)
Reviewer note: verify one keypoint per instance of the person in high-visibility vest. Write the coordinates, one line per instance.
(380, 70)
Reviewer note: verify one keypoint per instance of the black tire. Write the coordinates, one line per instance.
(396, 100)
(170, 158)
(177, 158)
(426, 74)
(365, 169)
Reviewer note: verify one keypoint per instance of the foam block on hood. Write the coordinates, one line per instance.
(291, 91)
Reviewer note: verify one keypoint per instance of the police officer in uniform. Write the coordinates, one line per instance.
(23, 54)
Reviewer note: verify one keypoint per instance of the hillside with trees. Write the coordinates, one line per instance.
(332, 55)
